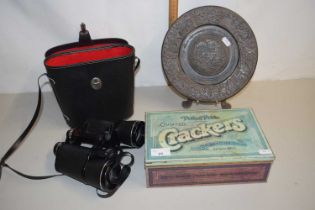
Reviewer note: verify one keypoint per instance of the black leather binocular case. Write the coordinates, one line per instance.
(93, 79)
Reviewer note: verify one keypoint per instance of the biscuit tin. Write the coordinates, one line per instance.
(205, 147)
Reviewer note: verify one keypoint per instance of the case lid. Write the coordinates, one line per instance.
(204, 137)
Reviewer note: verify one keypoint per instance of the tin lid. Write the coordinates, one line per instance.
(204, 137)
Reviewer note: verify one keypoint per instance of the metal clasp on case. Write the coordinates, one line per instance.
(96, 83)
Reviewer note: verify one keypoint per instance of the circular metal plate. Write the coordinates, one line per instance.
(209, 54)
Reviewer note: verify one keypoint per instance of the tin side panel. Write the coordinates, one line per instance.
(197, 175)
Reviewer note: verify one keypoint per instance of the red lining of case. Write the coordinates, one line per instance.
(88, 56)
(82, 48)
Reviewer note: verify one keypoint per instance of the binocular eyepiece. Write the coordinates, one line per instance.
(103, 164)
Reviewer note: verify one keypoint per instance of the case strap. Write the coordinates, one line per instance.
(137, 63)
(21, 139)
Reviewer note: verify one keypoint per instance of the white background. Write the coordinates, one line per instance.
(284, 29)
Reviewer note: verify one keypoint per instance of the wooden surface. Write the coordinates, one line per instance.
(173, 11)
(285, 110)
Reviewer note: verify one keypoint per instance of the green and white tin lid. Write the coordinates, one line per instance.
(204, 137)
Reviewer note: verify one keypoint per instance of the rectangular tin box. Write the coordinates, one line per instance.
(205, 147)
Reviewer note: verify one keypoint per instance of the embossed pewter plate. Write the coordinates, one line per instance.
(209, 54)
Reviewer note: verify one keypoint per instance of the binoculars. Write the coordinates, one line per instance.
(93, 155)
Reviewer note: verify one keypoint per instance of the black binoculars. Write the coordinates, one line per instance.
(92, 154)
